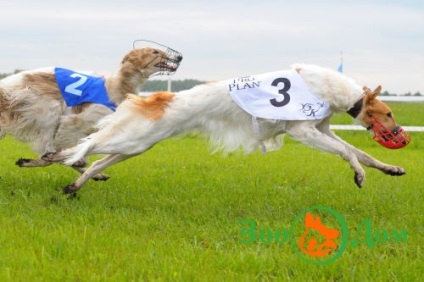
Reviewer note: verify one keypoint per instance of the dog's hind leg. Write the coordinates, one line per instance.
(363, 157)
(97, 177)
(43, 145)
(32, 163)
(47, 149)
(308, 134)
(93, 170)
(42, 163)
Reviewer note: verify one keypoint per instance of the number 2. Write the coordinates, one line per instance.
(72, 88)
(282, 91)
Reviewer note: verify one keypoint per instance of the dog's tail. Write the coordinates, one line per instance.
(73, 155)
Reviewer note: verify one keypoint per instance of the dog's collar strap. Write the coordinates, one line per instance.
(356, 109)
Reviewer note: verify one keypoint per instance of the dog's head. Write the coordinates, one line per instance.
(376, 116)
(153, 61)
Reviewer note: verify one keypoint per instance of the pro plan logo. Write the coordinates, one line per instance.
(319, 235)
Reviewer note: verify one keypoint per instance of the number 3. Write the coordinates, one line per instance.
(282, 91)
(72, 88)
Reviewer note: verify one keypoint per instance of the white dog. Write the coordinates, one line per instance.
(33, 106)
(234, 117)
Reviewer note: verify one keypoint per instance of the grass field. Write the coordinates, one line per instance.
(173, 214)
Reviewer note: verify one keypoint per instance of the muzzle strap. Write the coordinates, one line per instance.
(356, 109)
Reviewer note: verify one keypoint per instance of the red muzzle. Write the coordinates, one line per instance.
(395, 139)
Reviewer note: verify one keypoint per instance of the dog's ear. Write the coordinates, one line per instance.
(126, 58)
(376, 91)
(131, 56)
(370, 95)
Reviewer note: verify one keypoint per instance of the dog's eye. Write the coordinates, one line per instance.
(155, 52)
(389, 115)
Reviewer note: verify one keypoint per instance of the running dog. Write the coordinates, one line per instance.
(248, 112)
(34, 107)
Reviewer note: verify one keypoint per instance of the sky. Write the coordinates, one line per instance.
(382, 41)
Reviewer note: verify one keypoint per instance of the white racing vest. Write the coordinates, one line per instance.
(281, 95)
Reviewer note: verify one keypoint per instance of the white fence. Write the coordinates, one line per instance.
(401, 99)
(358, 127)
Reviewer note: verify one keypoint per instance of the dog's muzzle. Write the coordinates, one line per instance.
(395, 139)
(169, 63)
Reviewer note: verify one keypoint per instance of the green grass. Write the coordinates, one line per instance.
(172, 215)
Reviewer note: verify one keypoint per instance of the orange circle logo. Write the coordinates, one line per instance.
(319, 235)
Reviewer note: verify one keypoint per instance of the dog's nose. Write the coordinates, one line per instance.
(179, 58)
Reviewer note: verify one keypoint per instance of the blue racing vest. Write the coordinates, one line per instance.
(78, 88)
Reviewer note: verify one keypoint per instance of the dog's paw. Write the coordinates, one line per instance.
(100, 177)
(23, 162)
(70, 189)
(359, 179)
(80, 164)
(395, 171)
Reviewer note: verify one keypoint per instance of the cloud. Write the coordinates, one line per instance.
(222, 39)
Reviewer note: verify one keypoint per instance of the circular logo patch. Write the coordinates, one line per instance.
(319, 235)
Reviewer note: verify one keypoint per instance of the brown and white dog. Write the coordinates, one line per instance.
(139, 123)
(32, 108)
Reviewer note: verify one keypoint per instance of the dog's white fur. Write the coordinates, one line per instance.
(139, 124)
(32, 108)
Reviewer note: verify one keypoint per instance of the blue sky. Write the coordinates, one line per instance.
(382, 41)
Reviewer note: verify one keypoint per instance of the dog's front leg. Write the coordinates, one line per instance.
(363, 157)
(369, 161)
(308, 134)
